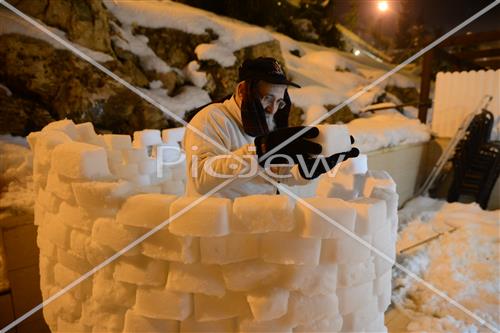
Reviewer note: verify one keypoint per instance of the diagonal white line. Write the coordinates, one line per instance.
(152, 101)
(112, 258)
(389, 259)
(384, 77)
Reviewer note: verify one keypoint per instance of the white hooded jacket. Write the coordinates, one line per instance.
(208, 165)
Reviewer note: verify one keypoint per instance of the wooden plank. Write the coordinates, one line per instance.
(471, 55)
(425, 85)
(472, 38)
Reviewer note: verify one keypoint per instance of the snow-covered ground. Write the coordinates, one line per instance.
(461, 260)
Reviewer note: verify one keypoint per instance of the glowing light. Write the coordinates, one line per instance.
(357, 52)
(383, 6)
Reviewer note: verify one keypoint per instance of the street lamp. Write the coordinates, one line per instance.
(383, 6)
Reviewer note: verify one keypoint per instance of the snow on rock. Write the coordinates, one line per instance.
(16, 179)
(233, 35)
(386, 129)
(462, 262)
(11, 24)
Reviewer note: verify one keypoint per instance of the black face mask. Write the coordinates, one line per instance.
(253, 115)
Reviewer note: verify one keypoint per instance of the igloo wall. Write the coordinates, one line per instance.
(255, 264)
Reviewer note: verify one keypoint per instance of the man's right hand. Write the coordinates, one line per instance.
(298, 146)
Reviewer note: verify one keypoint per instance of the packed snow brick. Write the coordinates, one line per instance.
(251, 325)
(48, 201)
(229, 249)
(45, 144)
(200, 217)
(382, 284)
(173, 135)
(74, 217)
(196, 278)
(78, 326)
(213, 308)
(377, 325)
(110, 293)
(378, 179)
(268, 304)
(145, 210)
(190, 325)
(333, 139)
(160, 303)
(353, 298)
(63, 276)
(66, 307)
(141, 271)
(134, 155)
(117, 141)
(79, 160)
(66, 126)
(303, 310)
(313, 225)
(370, 215)
(363, 316)
(383, 242)
(101, 195)
(134, 322)
(86, 133)
(60, 187)
(289, 249)
(165, 246)
(102, 319)
(263, 213)
(148, 166)
(351, 274)
(174, 187)
(125, 171)
(345, 250)
(324, 325)
(73, 261)
(55, 231)
(311, 279)
(148, 137)
(342, 186)
(109, 232)
(250, 275)
(382, 264)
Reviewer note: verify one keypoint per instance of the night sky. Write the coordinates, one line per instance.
(444, 14)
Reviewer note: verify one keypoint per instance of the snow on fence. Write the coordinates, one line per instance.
(258, 263)
(458, 94)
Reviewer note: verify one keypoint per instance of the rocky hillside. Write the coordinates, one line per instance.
(180, 57)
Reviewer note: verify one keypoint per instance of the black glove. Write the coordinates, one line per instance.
(297, 147)
(315, 167)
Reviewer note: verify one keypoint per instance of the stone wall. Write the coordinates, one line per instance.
(258, 263)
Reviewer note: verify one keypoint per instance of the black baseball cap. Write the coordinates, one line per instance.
(266, 69)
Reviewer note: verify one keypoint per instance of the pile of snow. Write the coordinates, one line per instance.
(462, 262)
(16, 179)
(386, 129)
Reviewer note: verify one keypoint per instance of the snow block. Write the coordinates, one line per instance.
(248, 325)
(125, 171)
(356, 273)
(110, 293)
(196, 278)
(213, 308)
(66, 126)
(117, 141)
(79, 160)
(86, 132)
(229, 249)
(370, 215)
(344, 250)
(194, 217)
(135, 155)
(311, 280)
(383, 241)
(145, 210)
(109, 233)
(289, 249)
(165, 246)
(378, 179)
(274, 213)
(333, 138)
(383, 284)
(191, 326)
(362, 317)
(63, 276)
(250, 275)
(173, 135)
(147, 166)
(353, 298)
(312, 225)
(163, 304)
(66, 326)
(303, 310)
(141, 271)
(175, 187)
(324, 325)
(59, 187)
(102, 319)
(55, 232)
(341, 186)
(73, 261)
(377, 325)
(102, 195)
(45, 144)
(135, 323)
(148, 137)
(74, 217)
(268, 304)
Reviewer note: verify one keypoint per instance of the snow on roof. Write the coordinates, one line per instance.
(233, 35)
(12, 24)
